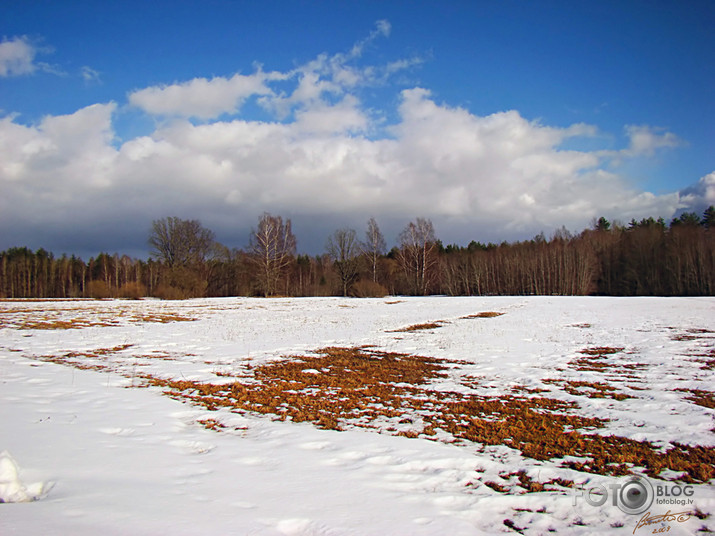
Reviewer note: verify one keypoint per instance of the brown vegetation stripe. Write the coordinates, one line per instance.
(33, 319)
(368, 388)
(417, 327)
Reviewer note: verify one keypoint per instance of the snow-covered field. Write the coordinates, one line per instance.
(84, 412)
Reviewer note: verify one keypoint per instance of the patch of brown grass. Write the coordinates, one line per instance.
(417, 327)
(529, 390)
(702, 398)
(27, 318)
(78, 359)
(212, 424)
(75, 323)
(485, 314)
(589, 389)
(601, 350)
(99, 351)
(497, 487)
(161, 318)
(596, 359)
(363, 387)
(694, 334)
(708, 358)
(534, 486)
(510, 524)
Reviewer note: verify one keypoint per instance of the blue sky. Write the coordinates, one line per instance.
(497, 120)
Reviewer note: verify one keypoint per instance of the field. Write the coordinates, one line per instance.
(330, 416)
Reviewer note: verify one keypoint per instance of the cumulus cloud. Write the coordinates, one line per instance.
(326, 158)
(201, 98)
(645, 140)
(317, 84)
(17, 57)
(700, 195)
(464, 171)
(59, 165)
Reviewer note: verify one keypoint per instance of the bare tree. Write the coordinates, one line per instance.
(374, 246)
(179, 242)
(344, 250)
(418, 254)
(272, 248)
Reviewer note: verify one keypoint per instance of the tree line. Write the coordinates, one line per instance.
(643, 258)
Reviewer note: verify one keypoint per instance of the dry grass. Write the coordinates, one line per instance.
(529, 390)
(75, 323)
(702, 398)
(497, 487)
(78, 359)
(706, 358)
(589, 389)
(417, 327)
(529, 485)
(694, 334)
(485, 314)
(80, 318)
(511, 525)
(161, 318)
(596, 359)
(601, 351)
(212, 424)
(362, 387)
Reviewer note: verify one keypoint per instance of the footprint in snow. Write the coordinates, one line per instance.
(193, 447)
(302, 527)
(257, 461)
(117, 431)
(317, 445)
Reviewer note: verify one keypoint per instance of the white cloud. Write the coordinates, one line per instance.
(316, 86)
(702, 194)
(645, 140)
(466, 172)
(707, 183)
(382, 29)
(345, 116)
(201, 98)
(17, 57)
(90, 75)
(57, 169)
(499, 175)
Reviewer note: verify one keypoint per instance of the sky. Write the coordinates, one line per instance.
(496, 120)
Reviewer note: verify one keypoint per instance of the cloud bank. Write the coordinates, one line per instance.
(326, 158)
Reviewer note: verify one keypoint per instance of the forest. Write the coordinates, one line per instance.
(643, 258)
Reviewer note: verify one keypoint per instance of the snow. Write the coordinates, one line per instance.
(126, 459)
(12, 489)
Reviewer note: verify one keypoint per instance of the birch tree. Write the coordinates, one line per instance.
(343, 248)
(418, 254)
(272, 248)
(374, 246)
